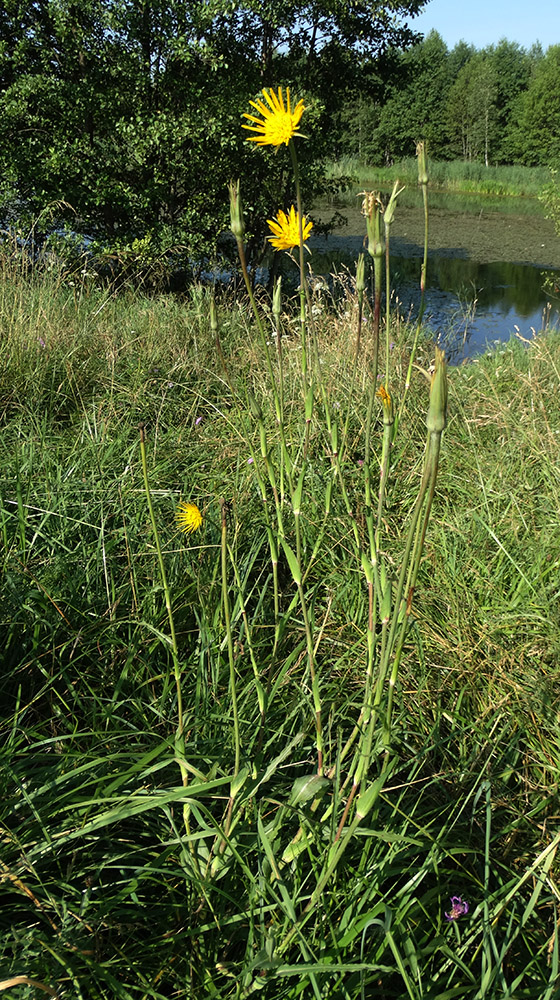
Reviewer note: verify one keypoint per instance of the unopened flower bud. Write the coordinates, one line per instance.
(437, 410)
(361, 275)
(254, 406)
(422, 163)
(390, 210)
(372, 208)
(236, 211)
(277, 298)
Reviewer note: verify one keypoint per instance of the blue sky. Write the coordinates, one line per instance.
(484, 22)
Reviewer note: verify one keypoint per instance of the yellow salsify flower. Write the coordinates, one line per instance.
(279, 122)
(388, 409)
(383, 395)
(188, 517)
(286, 230)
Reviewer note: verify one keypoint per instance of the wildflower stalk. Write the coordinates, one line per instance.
(238, 230)
(168, 606)
(423, 182)
(179, 736)
(277, 314)
(388, 217)
(436, 421)
(229, 637)
(372, 208)
(302, 276)
(360, 289)
(297, 575)
(388, 431)
(395, 612)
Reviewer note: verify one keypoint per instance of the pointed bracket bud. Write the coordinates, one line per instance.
(390, 210)
(436, 419)
(236, 211)
(372, 207)
(277, 297)
(361, 275)
(422, 162)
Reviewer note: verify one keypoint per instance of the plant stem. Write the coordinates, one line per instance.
(227, 619)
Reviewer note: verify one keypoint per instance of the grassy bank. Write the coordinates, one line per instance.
(457, 176)
(136, 864)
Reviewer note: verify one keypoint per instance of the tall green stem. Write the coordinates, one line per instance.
(302, 276)
(229, 636)
(423, 181)
(167, 593)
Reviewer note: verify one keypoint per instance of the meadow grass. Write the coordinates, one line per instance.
(126, 876)
(455, 176)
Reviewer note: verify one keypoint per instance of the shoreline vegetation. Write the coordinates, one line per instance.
(455, 176)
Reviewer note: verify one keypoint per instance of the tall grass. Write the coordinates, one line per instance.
(106, 894)
(457, 175)
(136, 864)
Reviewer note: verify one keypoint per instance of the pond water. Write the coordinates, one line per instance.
(487, 264)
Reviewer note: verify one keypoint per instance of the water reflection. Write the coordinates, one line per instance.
(470, 304)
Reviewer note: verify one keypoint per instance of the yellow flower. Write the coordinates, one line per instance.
(388, 409)
(383, 395)
(188, 517)
(279, 122)
(286, 230)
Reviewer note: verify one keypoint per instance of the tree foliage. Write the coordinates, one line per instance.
(538, 135)
(497, 105)
(472, 110)
(125, 114)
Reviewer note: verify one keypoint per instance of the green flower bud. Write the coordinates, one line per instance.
(254, 406)
(422, 163)
(437, 410)
(277, 298)
(236, 211)
(390, 210)
(372, 207)
(361, 275)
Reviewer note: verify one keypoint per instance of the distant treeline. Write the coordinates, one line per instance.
(497, 105)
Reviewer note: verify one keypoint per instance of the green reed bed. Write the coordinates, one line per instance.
(457, 175)
(268, 755)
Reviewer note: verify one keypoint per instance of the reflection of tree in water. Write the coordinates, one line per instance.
(503, 285)
(505, 294)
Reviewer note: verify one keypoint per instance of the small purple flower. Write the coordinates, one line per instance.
(250, 461)
(360, 463)
(459, 907)
(198, 421)
(42, 342)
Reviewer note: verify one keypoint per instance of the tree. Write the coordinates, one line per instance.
(129, 111)
(415, 102)
(511, 66)
(538, 129)
(472, 110)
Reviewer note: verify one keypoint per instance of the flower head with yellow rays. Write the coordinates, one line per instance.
(285, 229)
(188, 517)
(278, 123)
